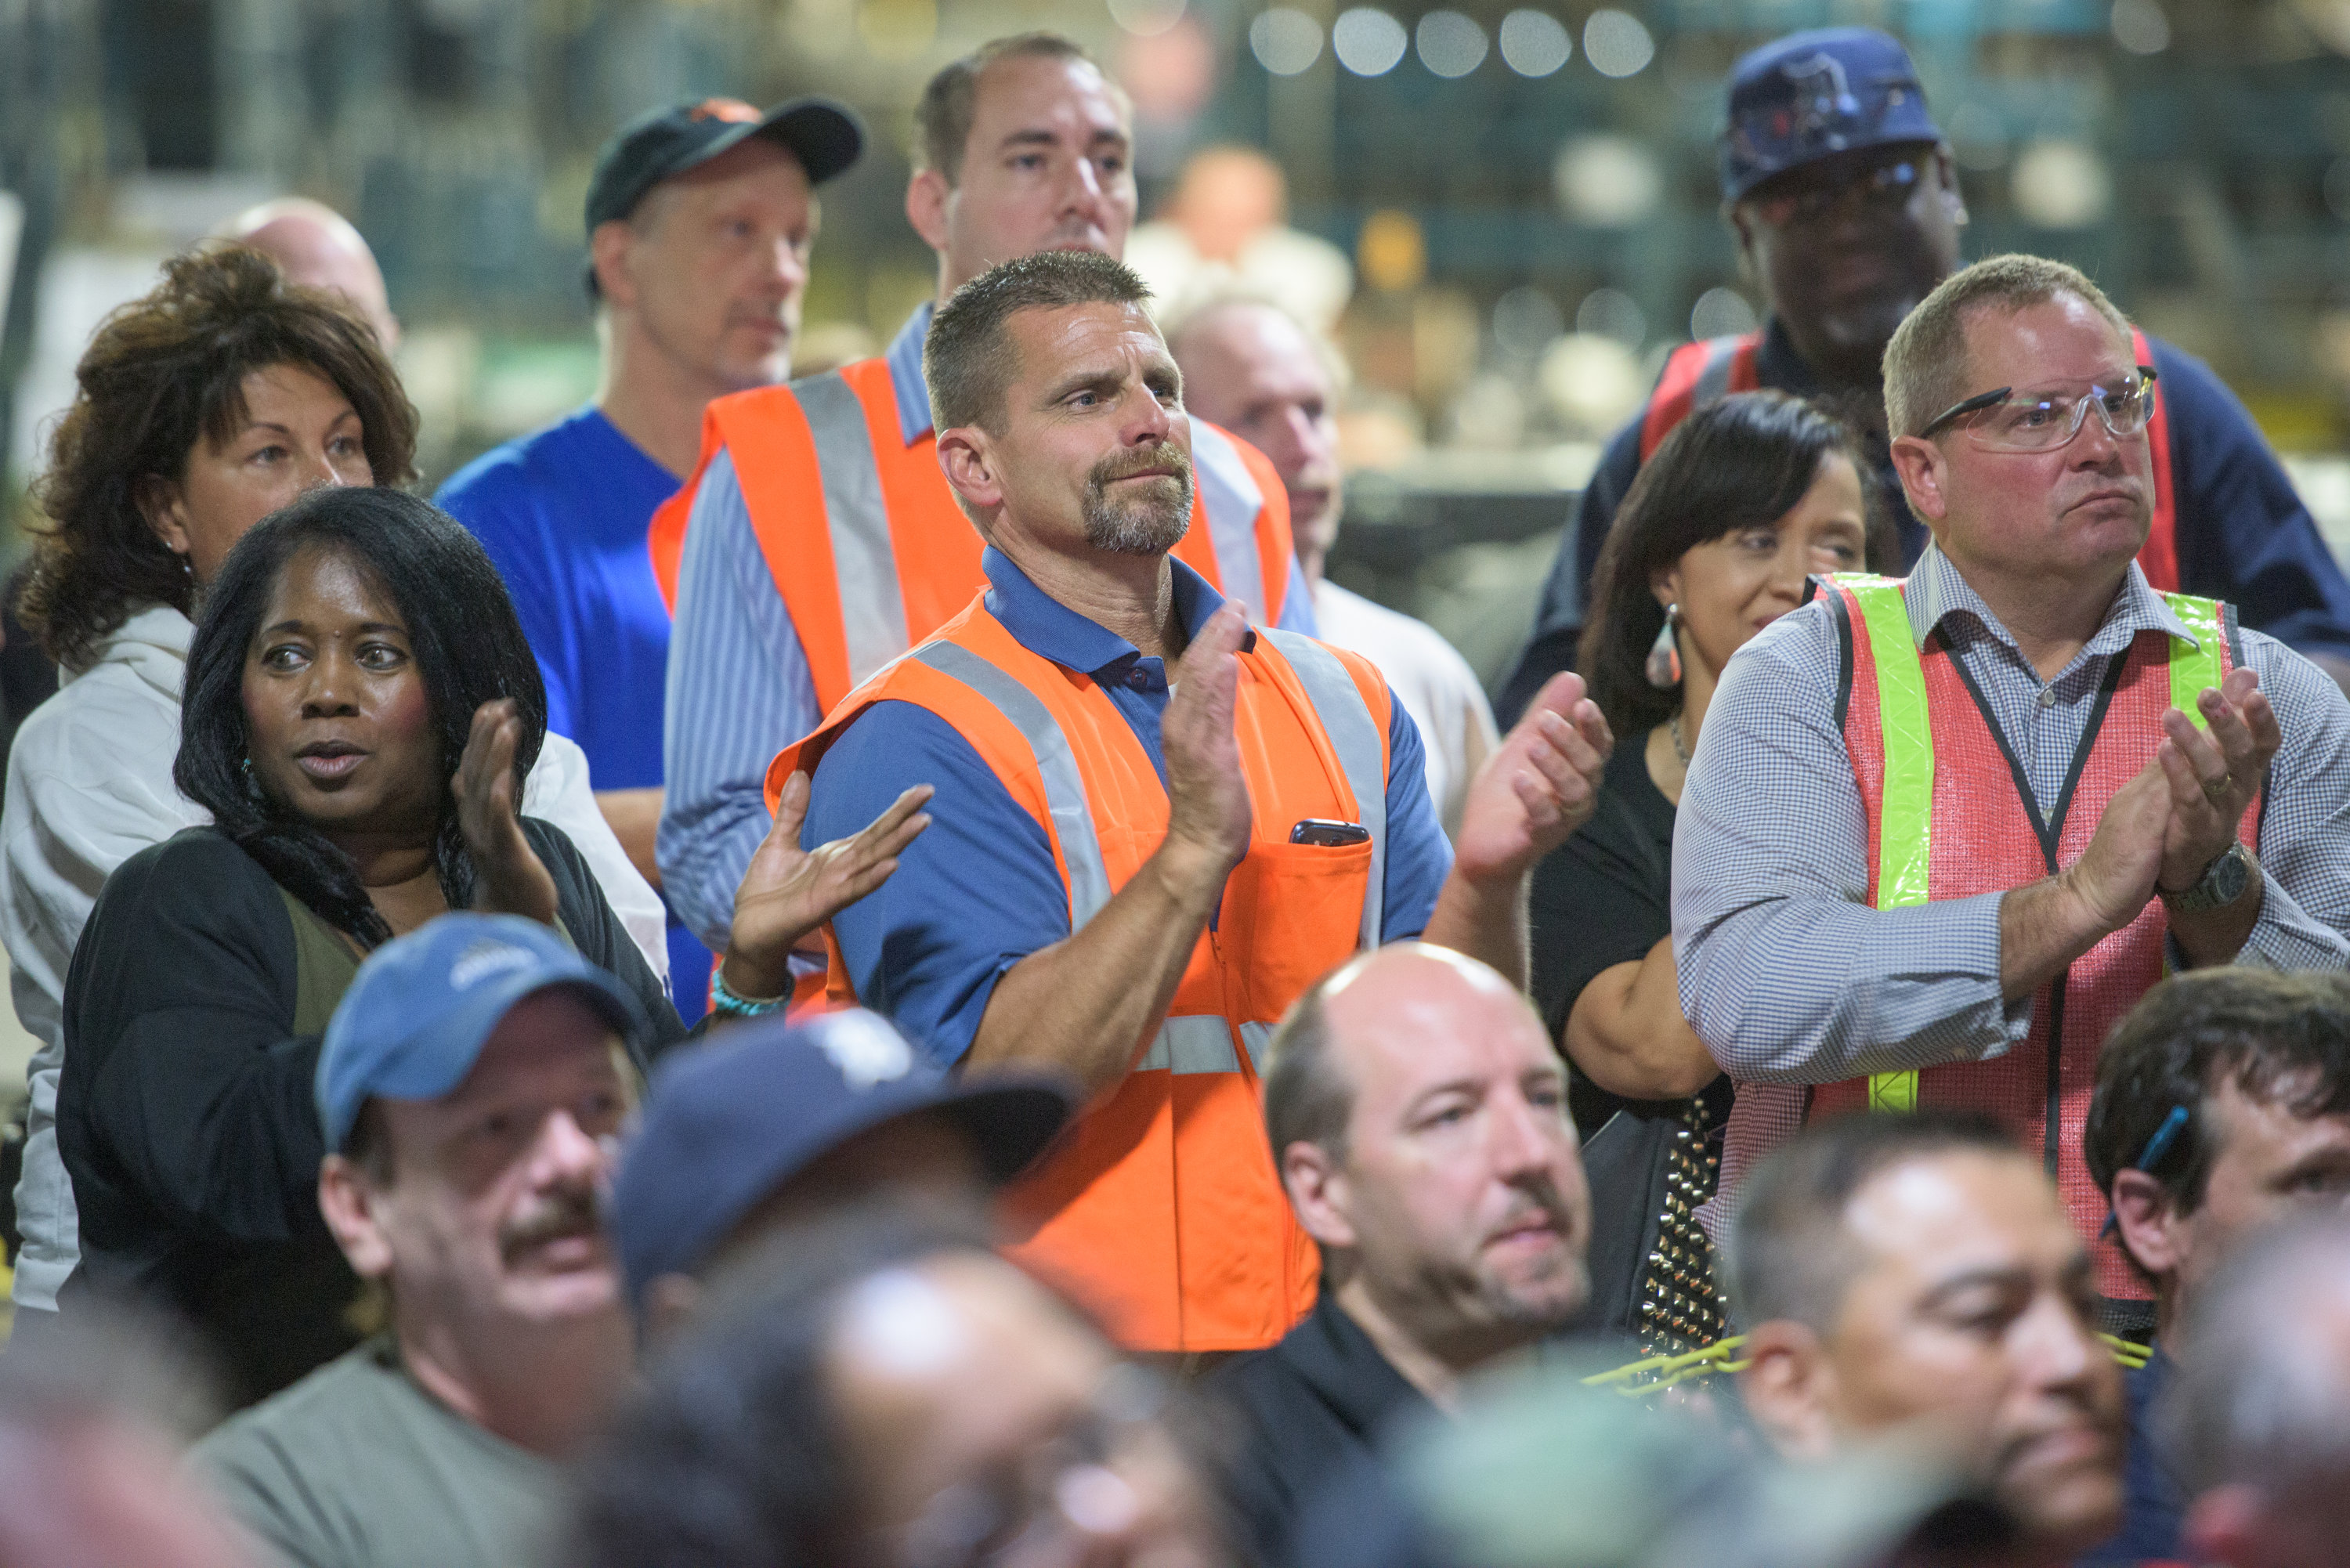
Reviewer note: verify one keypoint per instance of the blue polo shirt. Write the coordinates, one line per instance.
(564, 512)
(979, 890)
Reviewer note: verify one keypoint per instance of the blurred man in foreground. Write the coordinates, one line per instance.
(701, 218)
(471, 1086)
(2222, 1108)
(881, 1388)
(1843, 197)
(2261, 1415)
(1417, 1113)
(773, 1123)
(1915, 1274)
(1251, 366)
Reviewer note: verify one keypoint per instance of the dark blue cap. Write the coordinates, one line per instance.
(1812, 95)
(727, 1122)
(823, 135)
(414, 1021)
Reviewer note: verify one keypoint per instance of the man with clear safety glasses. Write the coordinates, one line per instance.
(1841, 195)
(1943, 833)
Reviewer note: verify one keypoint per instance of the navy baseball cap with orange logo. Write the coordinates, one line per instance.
(823, 135)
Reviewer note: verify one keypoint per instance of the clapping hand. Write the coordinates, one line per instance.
(789, 893)
(2214, 775)
(512, 880)
(1539, 785)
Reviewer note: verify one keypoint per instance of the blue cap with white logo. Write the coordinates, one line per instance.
(729, 1122)
(1812, 95)
(415, 1020)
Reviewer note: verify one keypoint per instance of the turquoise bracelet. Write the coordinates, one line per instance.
(734, 1006)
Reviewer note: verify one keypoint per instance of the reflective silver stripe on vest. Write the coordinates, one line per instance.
(1256, 1037)
(872, 607)
(1065, 788)
(1361, 749)
(1713, 381)
(1199, 1044)
(1230, 495)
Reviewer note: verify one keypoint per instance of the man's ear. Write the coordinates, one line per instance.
(347, 1200)
(926, 207)
(1946, 169)
(1923, 471)
(2224, 1526)
(967, 458)
(1788, 1385)
(670, 1304)
(2153, 1232)
(1742, 230)
(1318, 1191)
(607, 253)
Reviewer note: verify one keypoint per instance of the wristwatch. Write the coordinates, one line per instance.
(2223, 882)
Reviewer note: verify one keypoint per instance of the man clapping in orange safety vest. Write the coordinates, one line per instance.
(1153, 828)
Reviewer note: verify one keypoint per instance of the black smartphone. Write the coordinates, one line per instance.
(1321, 830)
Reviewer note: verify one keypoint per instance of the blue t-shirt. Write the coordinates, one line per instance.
(564, 512)
(979, 890)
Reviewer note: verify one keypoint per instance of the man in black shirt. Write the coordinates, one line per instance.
(1418, 1115)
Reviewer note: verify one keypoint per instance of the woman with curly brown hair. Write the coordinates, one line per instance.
(222, 396)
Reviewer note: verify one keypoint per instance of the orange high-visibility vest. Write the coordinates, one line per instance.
(864, 540)
(1696, 374)
(1161, 1208)
(1948, 818)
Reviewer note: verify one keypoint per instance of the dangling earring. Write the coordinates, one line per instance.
(252, 785)
(1665, 653)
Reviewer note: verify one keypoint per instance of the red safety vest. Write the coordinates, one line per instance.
(1947, 819)
(1696, 374)
(1161, 1208)
(864, 540)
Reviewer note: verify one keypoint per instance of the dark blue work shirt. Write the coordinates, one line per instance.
(2157, 1502)
(979, 890)
(2243, 535)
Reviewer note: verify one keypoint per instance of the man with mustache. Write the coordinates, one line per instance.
(700, 219)
(1917, 1275)
(1153, 828)
(472, 1086)
(1842, 197)
(1417, 1111)
(1939, 835)
(817, 540)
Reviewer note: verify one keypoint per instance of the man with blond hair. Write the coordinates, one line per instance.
(1941, 835)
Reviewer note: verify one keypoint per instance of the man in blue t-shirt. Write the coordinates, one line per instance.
(699, 220)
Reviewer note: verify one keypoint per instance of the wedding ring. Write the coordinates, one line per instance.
(2217, 792)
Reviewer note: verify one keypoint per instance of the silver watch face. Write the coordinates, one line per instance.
(2224, 882)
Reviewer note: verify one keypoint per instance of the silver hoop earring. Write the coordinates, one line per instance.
(1665, 653)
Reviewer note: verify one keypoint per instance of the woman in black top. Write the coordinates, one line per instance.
(359, 711)
(1713, 542)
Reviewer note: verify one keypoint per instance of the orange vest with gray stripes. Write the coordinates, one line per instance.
(1161, 1208)
(864, 540)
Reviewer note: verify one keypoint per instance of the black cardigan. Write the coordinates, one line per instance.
(186, 1112)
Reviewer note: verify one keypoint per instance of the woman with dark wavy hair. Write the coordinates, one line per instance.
(216, 398)
(1714, 541)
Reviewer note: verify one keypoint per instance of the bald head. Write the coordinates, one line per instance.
(1418, 1113)
(1227, 196)
(316, 247)
(1252, 369)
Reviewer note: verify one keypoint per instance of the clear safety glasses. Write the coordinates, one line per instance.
(2003, 419)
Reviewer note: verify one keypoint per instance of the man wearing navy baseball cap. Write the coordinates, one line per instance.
(699, 222)
(1841, 193)
(471, 1087)
(774, 1122)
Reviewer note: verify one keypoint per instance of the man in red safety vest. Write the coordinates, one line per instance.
(817, 539)
(1940, 835)
(1844, 201)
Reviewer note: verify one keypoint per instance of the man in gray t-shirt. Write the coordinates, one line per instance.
(472, 1084)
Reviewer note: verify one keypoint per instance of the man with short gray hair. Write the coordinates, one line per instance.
(1941, 835)
(2260, 1414)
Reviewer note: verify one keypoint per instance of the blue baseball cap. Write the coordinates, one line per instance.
(823, 135)
(414, 1021)
(1812, 95)
(727, 1122)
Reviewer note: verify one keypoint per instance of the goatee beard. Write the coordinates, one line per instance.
(1149, 526)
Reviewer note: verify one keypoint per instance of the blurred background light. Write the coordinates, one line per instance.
(2061, 184)
(898, 30)
(1721, 313)
(1391, 253)
(2141, 26)
(1450, 43)
(1606, 181)
(2337, 188)
(1285, 42)
(1145, 18)
(1526, 319)
(1614, 314)
(1977, 138)
(1593, 382)
(1617, 44)
(1535, 43)
(1367, 41)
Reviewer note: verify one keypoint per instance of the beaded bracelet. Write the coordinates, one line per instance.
(724, 1001)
